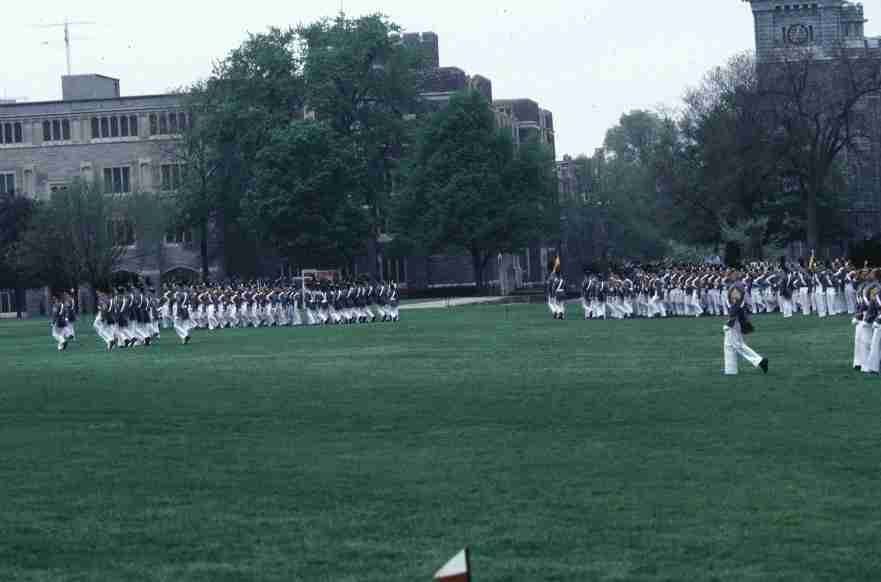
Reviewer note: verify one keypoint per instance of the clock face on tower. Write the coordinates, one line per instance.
(798, 34)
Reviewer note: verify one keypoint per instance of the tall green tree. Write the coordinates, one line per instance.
(80, 235)
(362, 80)
(816, 111)
(15, 214)
(307, 197)
(255, 90)
(626, 186)
(468, 190)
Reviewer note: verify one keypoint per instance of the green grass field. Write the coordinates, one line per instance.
(556, 450)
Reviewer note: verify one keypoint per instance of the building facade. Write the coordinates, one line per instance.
(525, 120)
(126, 144)
(822, 28)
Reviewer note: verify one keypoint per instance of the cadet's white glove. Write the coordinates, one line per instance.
(726, 328)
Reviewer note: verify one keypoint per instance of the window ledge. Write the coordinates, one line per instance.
(113, 139)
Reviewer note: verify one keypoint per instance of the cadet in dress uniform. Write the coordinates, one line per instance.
(737, 326)
(872, 296)
(63, 317)
(862, 322)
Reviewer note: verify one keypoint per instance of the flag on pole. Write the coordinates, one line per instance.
(456, 570)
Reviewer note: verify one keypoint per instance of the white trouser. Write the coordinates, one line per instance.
(697, 307)
(771, 300)
(103, 330)
(803, 298)
(124, 333)
(213, 323)
(141, 331)
(820, 301)
(861, 343)
(733, 345)
(873, 361)
(850, 296)
(832, 301)
(182, 327)
(786, 306)
(60, 334)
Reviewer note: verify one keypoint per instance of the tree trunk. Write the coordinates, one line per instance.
(94, 294)
(478, 268)
(203, 247)
(813, 228)
(20, 299)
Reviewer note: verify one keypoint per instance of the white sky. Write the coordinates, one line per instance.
(588, 61)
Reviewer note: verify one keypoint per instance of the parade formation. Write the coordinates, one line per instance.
(135, 315)
(658, 291)
(664, 290)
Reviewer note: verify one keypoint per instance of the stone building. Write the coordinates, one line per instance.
(822, 28)
(94, 133)
(127, 144)
(529, 121)
(525, 120)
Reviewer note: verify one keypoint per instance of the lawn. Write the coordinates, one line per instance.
(556, 450)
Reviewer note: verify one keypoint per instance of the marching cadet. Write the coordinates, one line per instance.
(737, 326)
(103, 323)
(586, 292)
(183, 322)
(556, 291)
(862, 321)
(63, 317)
(394, 300)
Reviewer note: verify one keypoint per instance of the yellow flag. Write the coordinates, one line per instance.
(557, 264)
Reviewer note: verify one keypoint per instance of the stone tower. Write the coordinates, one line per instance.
(783, 27)
(787, 24)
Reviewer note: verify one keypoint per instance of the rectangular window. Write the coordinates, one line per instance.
(56, 130)
(114, 127)
(154, 124)
(117, 180)
(47, 131)
(177, 236)
(182, 121)
(163, 124)
(133, 125)
(7, 133)
(65, 129)
(123, 126)
(18, 136)
(105, 127)
(122, 232)
(172, 122)
(96, 128)
(170, 175)
(7, 183)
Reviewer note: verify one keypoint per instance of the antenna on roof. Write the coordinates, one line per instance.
(66, 24)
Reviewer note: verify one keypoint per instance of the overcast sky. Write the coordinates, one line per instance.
(588, 61)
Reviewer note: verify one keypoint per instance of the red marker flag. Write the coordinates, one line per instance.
(456, 570)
